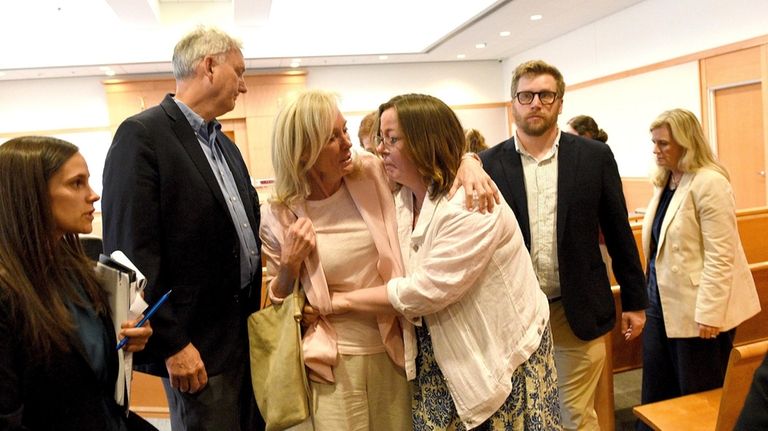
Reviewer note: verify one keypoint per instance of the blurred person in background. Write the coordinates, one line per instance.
(367, 132)
(475, 141)
(585, 126)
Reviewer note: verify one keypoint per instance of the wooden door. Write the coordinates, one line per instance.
(739, 135)
(734, 93)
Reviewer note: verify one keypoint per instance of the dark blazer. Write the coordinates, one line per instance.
(589, 199)
(62, 394)
(164, 209)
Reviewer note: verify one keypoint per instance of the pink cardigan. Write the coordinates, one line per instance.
(373, 198)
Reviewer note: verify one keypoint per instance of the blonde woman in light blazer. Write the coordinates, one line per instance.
(700, 286)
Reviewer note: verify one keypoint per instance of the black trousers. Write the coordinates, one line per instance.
(680, 366)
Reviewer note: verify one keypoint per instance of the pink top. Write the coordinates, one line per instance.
(372, 196)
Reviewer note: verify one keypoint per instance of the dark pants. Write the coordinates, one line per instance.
(226, 403)
(680, 366)
(754, 415)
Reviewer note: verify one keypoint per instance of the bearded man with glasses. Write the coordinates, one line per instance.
(563, 190)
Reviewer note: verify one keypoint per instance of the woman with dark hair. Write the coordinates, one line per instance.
(482, 355)
(58, 364)
(584, 125)
(475, 141)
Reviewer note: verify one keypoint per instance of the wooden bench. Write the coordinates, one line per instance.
(148, 396)
(625, 356)
(715, 410)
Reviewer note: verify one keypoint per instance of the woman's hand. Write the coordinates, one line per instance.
(481, 191)
(339, 303)
(298, 242)
(137, 337)
(309, 315)
(708, 332)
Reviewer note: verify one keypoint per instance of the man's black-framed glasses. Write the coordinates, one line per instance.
(545, 97)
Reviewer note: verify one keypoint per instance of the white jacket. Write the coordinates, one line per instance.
(471, 278)
(701, 269)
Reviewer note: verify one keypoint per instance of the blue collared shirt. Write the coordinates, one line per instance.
(250, 260)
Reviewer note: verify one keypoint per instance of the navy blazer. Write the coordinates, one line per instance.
(164, 209)
(589, 199)
(63, 393)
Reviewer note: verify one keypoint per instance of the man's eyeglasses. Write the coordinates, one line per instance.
(545, 97)
(389, 141)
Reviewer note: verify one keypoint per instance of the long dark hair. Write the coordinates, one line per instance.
(38, 271)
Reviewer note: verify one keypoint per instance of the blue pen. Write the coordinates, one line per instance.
(146, 317)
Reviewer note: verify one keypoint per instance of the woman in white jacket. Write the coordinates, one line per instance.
(699, 284)
(482, 354)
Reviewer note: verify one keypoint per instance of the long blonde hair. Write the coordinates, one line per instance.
(302, 129)
(685, 129)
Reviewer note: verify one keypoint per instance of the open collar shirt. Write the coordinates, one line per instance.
(541, 193)
(250, 259)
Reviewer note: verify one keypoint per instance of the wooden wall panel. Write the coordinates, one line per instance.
(251, 121)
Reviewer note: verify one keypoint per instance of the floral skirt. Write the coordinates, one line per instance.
(532, 405)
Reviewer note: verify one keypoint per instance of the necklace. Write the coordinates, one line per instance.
(674, 180)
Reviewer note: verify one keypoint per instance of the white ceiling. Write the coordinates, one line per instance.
(64, 38)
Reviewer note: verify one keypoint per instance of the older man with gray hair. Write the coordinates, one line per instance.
(179, 203)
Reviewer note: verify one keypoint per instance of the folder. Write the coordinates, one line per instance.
(123, 283)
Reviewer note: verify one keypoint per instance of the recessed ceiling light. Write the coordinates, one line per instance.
(295, 64)
(505, 33)
(481, 45)
(383, 57)
(461, 56)
(536, 17)
(109, 72)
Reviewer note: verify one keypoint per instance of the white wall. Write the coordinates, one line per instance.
(647, 33)
(625, 108)
(52, 104)
(363, 88)
(75, 109)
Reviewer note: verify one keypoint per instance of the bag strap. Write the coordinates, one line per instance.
(297, 311)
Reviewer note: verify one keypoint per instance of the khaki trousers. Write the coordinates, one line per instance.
(579, 364)
(371, 393)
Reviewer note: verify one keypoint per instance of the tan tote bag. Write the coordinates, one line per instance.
(278, 375)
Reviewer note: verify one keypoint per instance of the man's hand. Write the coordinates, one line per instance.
(186, 370)
(481, 191)
(632, 323)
